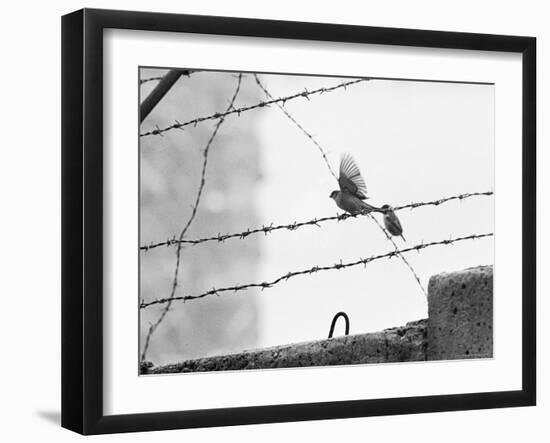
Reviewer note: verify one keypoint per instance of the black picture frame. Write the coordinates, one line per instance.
(82, 221)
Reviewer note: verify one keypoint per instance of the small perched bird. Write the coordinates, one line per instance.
(352, 188)
(391, 222)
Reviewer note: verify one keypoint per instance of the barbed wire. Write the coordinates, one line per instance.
(268, 229)
(322, 151)
(216, 116)
(298, 125)
(180, 240)
(151, 79)
(187, 73)
(312, 270)
(401, 256)
(162, 315)
(443, 200)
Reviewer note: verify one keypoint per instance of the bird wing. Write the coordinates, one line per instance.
(350, 179)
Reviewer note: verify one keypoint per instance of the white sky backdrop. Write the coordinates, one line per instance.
(413, 141)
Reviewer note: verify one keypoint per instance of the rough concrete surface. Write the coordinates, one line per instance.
(460, 325)
(460, 314)
(406, 343)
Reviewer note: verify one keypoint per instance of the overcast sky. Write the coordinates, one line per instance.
(413, 141)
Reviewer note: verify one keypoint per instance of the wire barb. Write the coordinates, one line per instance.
(322, 151)
(142, 81)
(195, 207)
(296, 225)
(150, 79)
(443, 200)
(314, 269)
(180, 240)
(397, 253)
(298, 125)
(218, 115)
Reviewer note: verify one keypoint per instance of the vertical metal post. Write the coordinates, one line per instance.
(160, 90)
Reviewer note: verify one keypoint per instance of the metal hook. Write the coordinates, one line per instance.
(335, 319)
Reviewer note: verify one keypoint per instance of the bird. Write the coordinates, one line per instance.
(352, 188)
(391, 222)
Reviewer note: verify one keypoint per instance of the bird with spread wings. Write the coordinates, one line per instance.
(353, 190)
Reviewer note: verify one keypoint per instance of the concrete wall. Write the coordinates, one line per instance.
(460, 325)
(460, 309)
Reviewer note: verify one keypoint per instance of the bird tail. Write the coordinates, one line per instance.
(403, 237)
(369, 208)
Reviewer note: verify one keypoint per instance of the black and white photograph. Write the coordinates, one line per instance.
(275, 221)
(291, 221)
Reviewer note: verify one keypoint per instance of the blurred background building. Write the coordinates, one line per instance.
(170, 174)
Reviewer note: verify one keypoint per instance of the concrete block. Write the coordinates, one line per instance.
(460, 314)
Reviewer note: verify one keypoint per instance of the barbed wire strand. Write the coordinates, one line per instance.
(298, 125)
(312, 270)
(401, 256)
(160, 77)
(322, 151)
(150, 79)
(267, 229)
(305, 94)
(443, 200)
(155, 325)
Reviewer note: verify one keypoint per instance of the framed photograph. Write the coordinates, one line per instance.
(269, 221)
